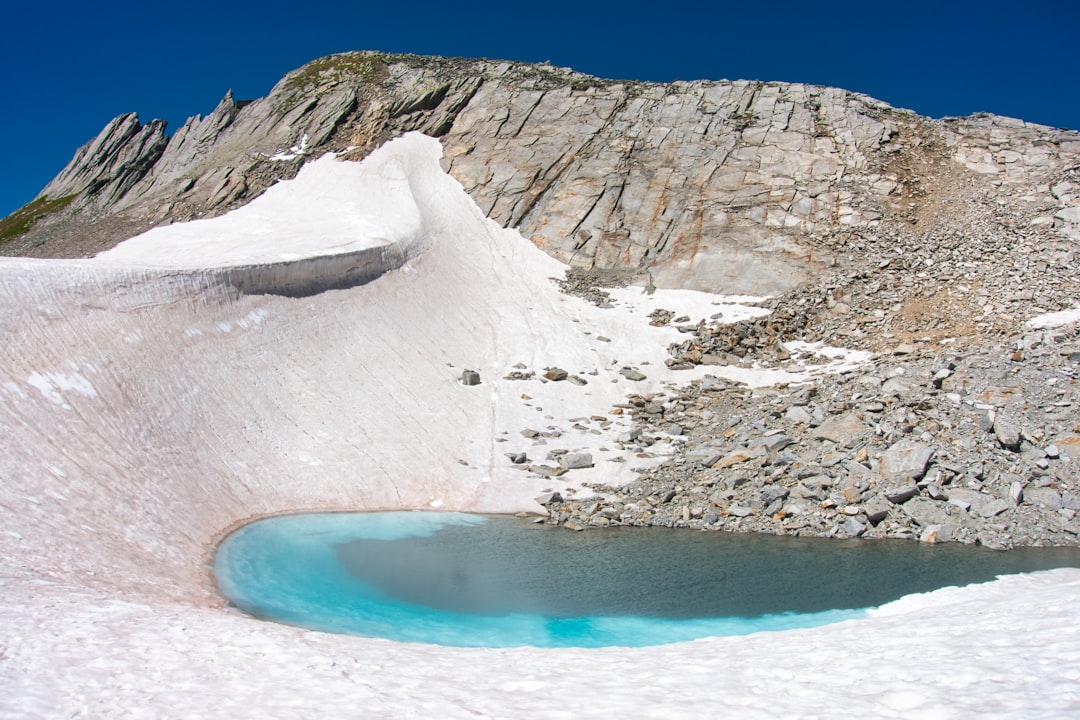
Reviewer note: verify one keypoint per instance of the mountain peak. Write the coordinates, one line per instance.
(732, 179)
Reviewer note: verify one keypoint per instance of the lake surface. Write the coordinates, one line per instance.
(496, 581)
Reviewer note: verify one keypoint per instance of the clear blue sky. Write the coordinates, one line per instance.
(66, 68)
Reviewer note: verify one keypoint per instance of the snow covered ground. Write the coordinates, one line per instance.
(148, 407)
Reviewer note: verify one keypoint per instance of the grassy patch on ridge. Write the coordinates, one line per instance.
(334, 68)
(19, 222)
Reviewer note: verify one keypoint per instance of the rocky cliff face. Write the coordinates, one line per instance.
(734, 186)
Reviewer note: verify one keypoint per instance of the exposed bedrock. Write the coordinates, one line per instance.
(107, 167)
(738, 186)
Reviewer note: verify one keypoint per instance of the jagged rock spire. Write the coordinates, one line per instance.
(109, 165)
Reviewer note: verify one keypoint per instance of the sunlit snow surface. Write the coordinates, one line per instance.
(147, 409)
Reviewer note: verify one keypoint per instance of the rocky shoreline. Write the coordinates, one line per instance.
(963, 427)
(972, 443)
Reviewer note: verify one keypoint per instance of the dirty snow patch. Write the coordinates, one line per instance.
(1054, 319)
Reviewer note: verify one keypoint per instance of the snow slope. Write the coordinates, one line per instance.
(204, 374)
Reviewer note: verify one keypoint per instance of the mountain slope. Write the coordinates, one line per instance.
(150, 405)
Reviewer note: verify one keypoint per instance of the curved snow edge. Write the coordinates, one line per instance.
(341, 235)
(311, 276)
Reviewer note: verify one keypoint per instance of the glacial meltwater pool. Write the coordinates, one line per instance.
(498, 581)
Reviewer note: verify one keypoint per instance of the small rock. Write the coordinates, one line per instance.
(517, 458)
(470, 377)
(906, 460)
(960, 503)
(1047, 497)
(852, 492)
(704, 457)
(712, 383)
(845, 430)
(894, 388)
(1016, 492)
(549, 497)
(1007, 433)
(876, 509)
(739, 456)
(772, 493)
(936, 533)
(574, 461)
(547, 470)
(993, 507)
(934, 492)
(926, 512)
(774, 443)
(900, 495)
(631, 374)
(555, 374)
(798, 416)
(853, 527)
(832, 458)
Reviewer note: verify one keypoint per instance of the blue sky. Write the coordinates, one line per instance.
(67, 69)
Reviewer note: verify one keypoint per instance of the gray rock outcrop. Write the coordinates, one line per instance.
(107, 167)
(737, 186)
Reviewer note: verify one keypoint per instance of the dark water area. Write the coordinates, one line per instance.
(508, 565)
(497, 581)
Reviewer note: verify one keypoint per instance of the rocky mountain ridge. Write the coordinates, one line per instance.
(734, 186)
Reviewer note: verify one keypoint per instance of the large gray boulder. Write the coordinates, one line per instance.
(845, 430)
(905, 460)
(574, 461)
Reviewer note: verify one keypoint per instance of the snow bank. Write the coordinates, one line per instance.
(147, 407)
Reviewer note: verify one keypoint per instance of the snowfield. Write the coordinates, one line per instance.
(304, 353)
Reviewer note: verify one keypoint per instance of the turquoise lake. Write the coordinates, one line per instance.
(497, 581)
